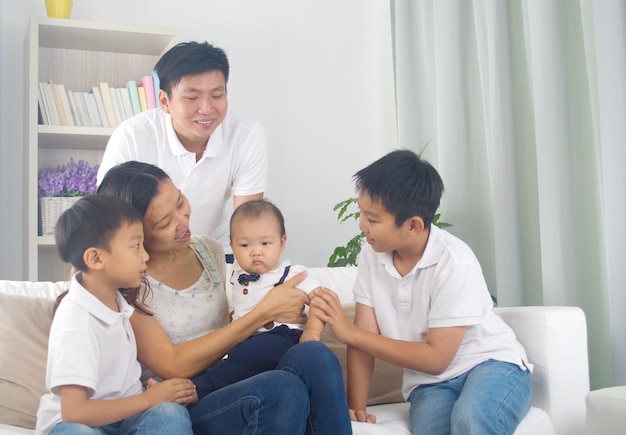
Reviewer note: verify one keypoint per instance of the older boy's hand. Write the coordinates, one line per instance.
(331, 312)
(362, 416)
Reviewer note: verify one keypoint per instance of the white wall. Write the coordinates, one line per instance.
(317, 74)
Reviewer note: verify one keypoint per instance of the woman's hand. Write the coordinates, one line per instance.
(285, 303)
(331, 313)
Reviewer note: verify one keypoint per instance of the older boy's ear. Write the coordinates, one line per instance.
(416, 224)
(92, 258)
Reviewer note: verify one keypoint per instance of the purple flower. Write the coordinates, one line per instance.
(72, 179)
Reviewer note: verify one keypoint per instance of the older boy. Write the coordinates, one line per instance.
(92, 372)
(422, 303)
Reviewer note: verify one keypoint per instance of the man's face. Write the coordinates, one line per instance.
(198, 104)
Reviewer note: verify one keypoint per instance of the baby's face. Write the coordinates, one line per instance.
(257, 243)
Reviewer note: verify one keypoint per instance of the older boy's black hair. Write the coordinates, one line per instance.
(91, 222)
(190, 58)
(404, 184)
(256, 208)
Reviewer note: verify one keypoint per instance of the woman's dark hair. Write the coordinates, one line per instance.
(134, 182)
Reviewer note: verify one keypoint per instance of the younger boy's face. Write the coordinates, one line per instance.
(257, 243)
(126, 258)
(379, 226)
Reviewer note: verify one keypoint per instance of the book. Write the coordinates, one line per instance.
(156, 83)
(79, 97)
(43, 105)
(118, 110)
(142, 98)
(52, 108)
(67, 109)
(125, 98)
(92, 109)
(58, 104)
(148, 85)
(78, 120)
(107, 103)
(100, 106)
(131, 85)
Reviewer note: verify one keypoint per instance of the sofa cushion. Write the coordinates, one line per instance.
(23, 351)
(386, 379)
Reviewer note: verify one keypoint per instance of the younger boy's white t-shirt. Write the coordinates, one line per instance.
(446, 288)
(92, 346)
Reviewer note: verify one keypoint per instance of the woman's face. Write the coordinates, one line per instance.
(166, 222)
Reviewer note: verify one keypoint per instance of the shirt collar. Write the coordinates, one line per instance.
(432, 252)
(177, 149)
(82, 297)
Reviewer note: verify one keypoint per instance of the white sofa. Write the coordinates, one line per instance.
(555, 339)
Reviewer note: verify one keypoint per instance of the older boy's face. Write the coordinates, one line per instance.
(198, 105)
(125, 260)
(378, 225)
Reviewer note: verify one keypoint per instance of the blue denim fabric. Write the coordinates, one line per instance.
(304, 394)
(491, 398)
(165, 418)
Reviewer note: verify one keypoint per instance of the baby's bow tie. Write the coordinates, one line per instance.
(248, 277)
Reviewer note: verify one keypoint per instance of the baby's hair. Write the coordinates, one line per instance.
(93, 221)
(404, 184)
(257, 208)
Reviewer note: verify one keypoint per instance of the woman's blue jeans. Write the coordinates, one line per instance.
(491, 398)
(305, 394)
(165, 418)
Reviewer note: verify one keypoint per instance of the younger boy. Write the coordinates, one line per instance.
(422, 303)
(257, 231)
(92, 372)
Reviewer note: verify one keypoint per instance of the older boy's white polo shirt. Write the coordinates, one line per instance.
(92, 346)
(234, 163)
(445, 288)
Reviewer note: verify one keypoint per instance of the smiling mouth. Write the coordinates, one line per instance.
(183, 235)
(205, 123)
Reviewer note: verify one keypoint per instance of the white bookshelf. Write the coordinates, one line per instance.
(77, 54)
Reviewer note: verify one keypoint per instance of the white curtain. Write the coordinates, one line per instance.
(521, 105)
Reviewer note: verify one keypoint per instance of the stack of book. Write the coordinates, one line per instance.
(101, 106)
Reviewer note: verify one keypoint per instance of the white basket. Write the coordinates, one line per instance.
(51, 208)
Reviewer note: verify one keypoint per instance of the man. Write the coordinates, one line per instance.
(209, 153)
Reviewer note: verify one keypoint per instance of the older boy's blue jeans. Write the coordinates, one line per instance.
(305, 394)
(166, 418)
(491, 398)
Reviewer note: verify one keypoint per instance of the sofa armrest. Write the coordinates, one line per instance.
(555, 339)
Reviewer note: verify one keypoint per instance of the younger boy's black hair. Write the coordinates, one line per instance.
(404, 184)
(188, 59)
(91, 222)
(255, 209)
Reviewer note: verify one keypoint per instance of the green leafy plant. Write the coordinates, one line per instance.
(348, 255)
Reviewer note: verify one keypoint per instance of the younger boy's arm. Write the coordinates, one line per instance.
(76, 407)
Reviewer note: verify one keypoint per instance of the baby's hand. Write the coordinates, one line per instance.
(176, 390)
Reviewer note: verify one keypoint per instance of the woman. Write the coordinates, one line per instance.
(190, 331)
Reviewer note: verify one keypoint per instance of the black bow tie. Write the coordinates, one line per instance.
(248, 277)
